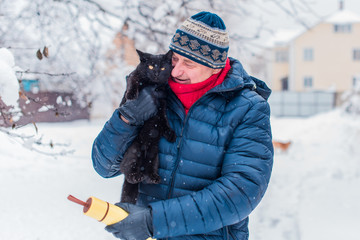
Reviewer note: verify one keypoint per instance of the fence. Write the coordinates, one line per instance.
(301, 104)
(47, 107)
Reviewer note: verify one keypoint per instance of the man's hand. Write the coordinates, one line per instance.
(124, 119)
(137, 226)
(137, 111)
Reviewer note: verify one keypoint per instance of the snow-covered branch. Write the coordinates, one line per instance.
(10, 111)
(35, 143)
(80, 34)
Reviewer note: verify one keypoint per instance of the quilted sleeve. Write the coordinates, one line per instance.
(111, 144)
(245, 176)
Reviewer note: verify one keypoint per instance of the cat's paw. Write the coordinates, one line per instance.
(170, 135)
(153, 178)
(132, 94)
(135, 177)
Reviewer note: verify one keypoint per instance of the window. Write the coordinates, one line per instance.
(285, 84)
(356, 81)
(308, 82)
(342, 28)
(281, 56)
(356, 54)
(308, 54)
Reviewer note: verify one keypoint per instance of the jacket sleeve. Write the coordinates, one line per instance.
(245, 176)
(111, 144)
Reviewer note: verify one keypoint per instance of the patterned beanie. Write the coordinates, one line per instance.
(203, 39)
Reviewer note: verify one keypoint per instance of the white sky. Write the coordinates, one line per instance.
(329, 6)
(321, 7)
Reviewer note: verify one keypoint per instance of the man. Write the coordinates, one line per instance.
(218, 169)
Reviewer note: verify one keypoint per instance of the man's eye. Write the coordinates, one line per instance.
(151, 67)
(162, 69)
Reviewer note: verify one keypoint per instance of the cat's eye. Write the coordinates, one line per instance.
(151, 67)
(162, 69)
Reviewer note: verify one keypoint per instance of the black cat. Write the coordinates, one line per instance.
(140, 162)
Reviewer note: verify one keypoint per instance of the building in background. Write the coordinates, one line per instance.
(324, 59)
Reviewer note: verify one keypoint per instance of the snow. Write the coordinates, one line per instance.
(46, 108)
(313, 193)
(9, 86)
(34, 187)
(283, 37)
(343, 17)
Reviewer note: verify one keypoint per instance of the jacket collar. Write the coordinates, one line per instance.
(238, 78)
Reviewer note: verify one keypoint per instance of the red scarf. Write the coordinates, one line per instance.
(190, 93)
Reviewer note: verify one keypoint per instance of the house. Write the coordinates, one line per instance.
(325, 57)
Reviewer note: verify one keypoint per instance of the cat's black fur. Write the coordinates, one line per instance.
(140, 162)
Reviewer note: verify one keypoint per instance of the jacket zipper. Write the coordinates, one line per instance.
(172, 181)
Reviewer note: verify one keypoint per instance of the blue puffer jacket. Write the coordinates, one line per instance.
(218, 169)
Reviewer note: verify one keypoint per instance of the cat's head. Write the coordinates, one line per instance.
(156, 68)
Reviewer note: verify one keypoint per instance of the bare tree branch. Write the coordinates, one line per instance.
(45, 73)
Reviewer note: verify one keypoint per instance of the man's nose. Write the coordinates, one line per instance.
(177, 70)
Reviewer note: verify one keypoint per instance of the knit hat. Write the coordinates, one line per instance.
(203, 39)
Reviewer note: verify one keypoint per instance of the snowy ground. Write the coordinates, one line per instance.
(314, 191)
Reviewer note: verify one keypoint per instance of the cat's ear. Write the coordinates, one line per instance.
(168, 55)
(143, 56)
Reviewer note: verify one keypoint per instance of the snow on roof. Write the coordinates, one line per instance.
(343, 16)
(284, 36)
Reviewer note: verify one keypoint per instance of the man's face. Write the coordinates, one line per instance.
(186, 71)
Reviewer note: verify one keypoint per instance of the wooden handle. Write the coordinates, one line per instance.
(76, 200)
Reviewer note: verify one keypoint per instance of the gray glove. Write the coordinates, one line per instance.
(137, 226)
(145, 106)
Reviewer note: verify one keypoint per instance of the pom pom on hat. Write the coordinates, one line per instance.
(202, 38)
(210, 19)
